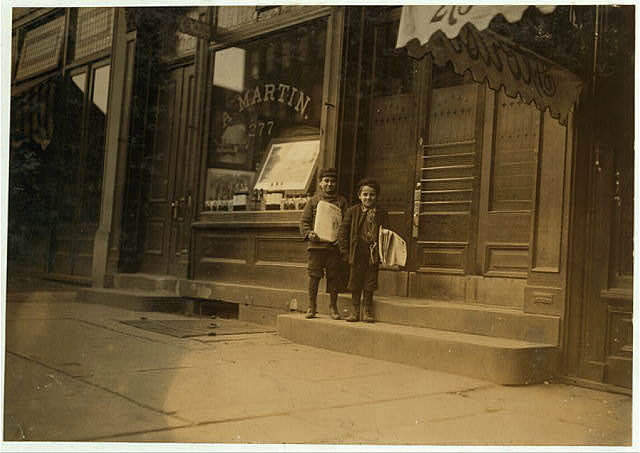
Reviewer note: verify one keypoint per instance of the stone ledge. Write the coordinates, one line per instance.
(503, 361)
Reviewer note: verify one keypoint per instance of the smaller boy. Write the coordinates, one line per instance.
(324, 257)
(358, 243)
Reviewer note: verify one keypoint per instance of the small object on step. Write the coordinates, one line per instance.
(144, 318)
(213, 316)
(212, 334)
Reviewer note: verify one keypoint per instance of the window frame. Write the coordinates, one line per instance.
(330, 85)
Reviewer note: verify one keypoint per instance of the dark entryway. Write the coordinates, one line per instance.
(164, 206)
(600, 335)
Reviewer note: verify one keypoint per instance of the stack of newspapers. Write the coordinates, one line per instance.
(392, 248)
(327, 223)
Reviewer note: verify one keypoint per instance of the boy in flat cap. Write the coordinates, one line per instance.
(324, 257)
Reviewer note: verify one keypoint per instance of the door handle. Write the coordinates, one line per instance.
(617, 197)
(181, 205)
(417, 198)
(174, 210)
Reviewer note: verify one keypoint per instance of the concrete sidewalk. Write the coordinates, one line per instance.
(74, 372)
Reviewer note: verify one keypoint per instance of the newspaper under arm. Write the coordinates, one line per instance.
(327, 222)
(392, 248)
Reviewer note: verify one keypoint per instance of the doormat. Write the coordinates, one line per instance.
(185, 328)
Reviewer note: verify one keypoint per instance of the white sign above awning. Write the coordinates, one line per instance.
(488, 56)
(422, 21)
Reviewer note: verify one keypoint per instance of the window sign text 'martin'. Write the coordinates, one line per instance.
(281, 93)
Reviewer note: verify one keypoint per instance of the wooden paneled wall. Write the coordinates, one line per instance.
(264, 249)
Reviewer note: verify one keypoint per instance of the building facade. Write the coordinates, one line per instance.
(183, 142)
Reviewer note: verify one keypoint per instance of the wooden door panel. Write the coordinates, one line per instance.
(517, 131)
(179, 238)
(390, 150)
(601, 349)
(156, 248)
(512, 138)
(447, 180)
(619, 357)
(154, 237)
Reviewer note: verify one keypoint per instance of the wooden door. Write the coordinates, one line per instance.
(509, 164)
(446, 194)
(392, 127)
(601, 302)
(184, 164)
(164, 204)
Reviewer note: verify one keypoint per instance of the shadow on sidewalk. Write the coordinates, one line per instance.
(24, 279)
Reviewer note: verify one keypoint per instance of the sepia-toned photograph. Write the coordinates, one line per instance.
(317, 227)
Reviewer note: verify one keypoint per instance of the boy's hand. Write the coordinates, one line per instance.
(312, 235)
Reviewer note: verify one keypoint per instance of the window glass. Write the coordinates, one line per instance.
(101, 88)
(264, 90)
(80, 81)
(70, 121)
(96, 137)
(393, 70)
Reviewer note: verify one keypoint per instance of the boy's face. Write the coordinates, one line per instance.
(368, 196)
(328, 184)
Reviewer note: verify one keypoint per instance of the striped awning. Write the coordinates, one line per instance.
(458, 34)
(422, 21)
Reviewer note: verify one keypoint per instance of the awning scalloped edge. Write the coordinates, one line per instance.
(502, 65)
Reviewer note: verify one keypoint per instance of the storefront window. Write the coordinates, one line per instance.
(393, 70)
(265, 91)
(82, 145)
(96, 141)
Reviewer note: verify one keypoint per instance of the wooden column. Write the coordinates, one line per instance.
(546, 284)
(198, 131)
(331, 89)
(107, 237)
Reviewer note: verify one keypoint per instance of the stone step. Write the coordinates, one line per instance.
(469, 318)
(137, 300)
(147, 282)
(499, 360)
(442, 315)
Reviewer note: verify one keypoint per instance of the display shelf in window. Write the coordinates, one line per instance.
(228, 190)
(286, 175)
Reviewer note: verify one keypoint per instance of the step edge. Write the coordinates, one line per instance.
(437, 305)
(425, 330)
(519, 367)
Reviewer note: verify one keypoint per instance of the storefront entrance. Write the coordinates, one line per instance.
(165, 203)
(458, 165)
(600, 328)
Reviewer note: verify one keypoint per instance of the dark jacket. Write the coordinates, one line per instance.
(308, 219)
(351, 227)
